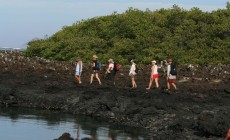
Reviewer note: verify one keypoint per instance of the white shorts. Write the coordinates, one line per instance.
(78, 73)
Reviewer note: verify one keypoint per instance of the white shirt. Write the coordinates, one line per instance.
(168, 73)
(155, 69)
(79, 66)
(132, 69)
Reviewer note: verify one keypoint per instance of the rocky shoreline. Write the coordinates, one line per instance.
(200, 110)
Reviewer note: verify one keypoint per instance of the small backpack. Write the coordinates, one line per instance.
(98, 65)
(173, 70)
(137, 69)
(116, 67)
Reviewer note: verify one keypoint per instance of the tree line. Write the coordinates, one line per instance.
(188, 36)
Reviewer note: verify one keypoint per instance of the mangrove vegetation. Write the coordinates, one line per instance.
(188, 36)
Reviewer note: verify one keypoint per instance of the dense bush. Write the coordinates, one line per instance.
(188, 36)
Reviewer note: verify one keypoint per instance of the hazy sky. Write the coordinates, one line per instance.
(23, 20)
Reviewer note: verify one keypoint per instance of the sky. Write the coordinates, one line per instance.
(24, 20)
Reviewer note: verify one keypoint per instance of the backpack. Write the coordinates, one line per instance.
(98, 65)
(116, 67)
(173, 70)
(137, 69)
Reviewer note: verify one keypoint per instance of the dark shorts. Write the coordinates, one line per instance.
(94, 71)
(111, 75)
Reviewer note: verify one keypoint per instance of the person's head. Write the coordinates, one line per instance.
(132, 61)
(154, 62)
(94, 57)
(78, 59)
(110, 60)
(169, 60)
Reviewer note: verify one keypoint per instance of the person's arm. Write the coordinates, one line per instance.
(152, 71)
(108, 69)
(93, 64)
(81, 64)
(168, 70)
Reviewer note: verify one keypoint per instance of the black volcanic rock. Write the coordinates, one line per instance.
(200, 110)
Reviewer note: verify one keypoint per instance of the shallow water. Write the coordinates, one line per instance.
(25, 124)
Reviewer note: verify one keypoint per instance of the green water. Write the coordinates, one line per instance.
(25, 124)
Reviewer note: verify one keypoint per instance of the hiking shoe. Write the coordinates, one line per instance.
(167, 91)
(176, 91)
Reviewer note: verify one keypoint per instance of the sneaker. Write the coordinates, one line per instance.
(167, 91)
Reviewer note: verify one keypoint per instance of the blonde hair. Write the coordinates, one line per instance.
(110, 60)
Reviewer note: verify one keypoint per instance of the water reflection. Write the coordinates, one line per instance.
(39, 124)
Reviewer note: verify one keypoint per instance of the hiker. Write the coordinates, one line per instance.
(163, 66)
(78, 70)
(95, 68)
(132, 73)
(110, 72)
(154, 75)
(171, 75)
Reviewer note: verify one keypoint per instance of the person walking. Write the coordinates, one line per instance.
(78, 69)
(132, 73)
(171, 75)
(110, 71)
(95, 68)
(154, 75)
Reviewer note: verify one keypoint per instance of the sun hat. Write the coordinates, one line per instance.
(94, 56)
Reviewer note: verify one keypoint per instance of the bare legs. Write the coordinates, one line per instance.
(168, 85)
(151, 82)
(173, 84)
(97, 77)
(156, 81)
(134, 85)
(78, 77)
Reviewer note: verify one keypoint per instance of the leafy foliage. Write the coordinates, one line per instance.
(188, 36)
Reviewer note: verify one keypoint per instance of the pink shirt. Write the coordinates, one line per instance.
(111, 66)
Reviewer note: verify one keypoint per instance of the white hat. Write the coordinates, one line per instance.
(154, 61)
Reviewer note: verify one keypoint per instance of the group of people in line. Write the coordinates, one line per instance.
(111, 72)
